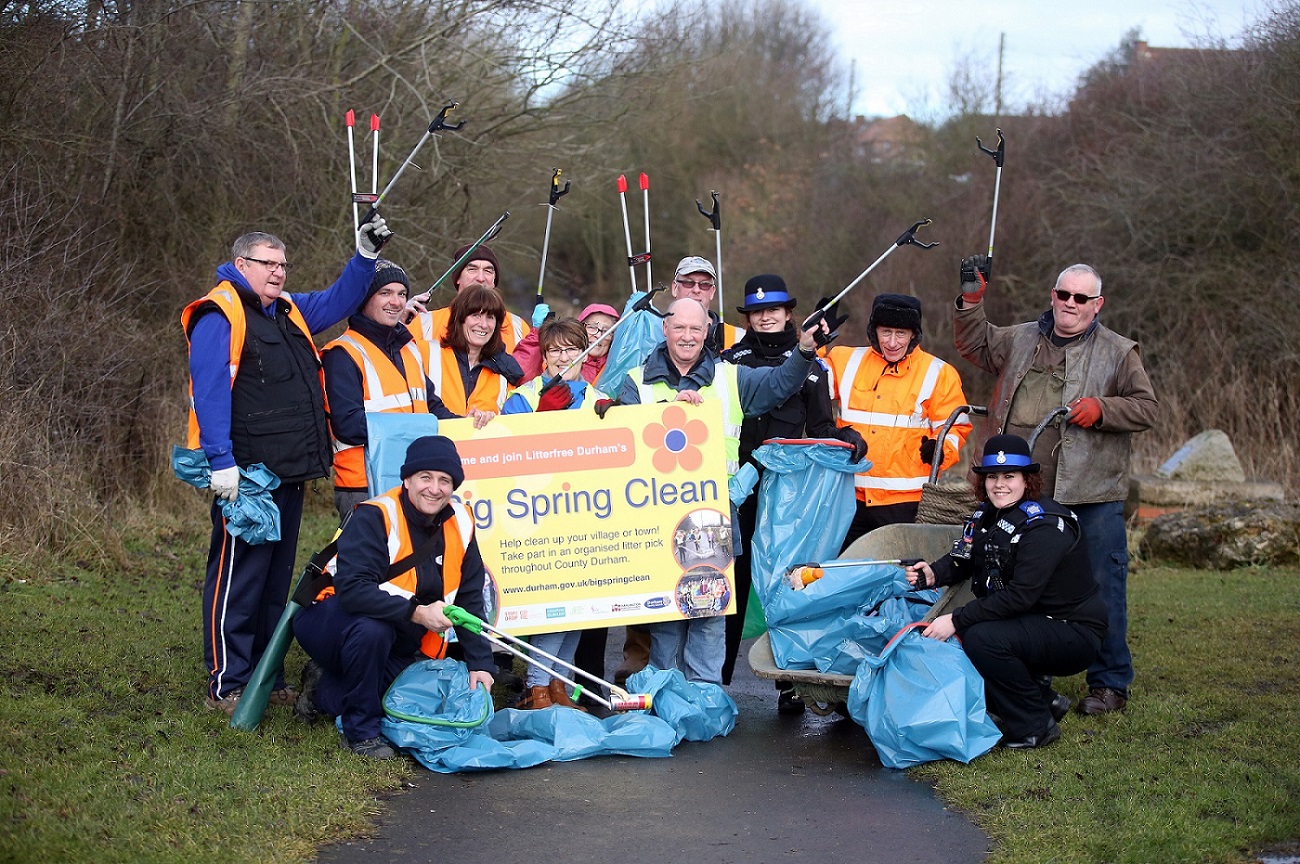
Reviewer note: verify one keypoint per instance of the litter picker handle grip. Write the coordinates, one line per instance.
(461, 618)
(714, 217)
(999, 155)
(556, 192)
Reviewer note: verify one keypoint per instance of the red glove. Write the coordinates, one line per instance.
(1085, 412)
(555, 397)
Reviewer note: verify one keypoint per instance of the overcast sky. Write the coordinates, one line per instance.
(906, 51)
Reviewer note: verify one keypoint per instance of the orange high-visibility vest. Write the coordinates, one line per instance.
(490, 390)
(457, 532)
(432, 327)
(227, 301)
(384, 391)
(893, 408)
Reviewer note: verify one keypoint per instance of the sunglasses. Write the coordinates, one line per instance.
(1080, 299)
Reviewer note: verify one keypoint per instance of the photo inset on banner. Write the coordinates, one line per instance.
(703, 537)
(703, 590)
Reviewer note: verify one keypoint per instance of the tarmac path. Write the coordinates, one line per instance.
(778, 788)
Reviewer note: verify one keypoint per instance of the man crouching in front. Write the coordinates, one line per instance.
(401, 557)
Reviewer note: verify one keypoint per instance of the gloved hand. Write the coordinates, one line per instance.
(556, 395)
(849, 435)
(975, 272)
(225, 482)
(1085, 412)
(540, 313)
(833, 321)
(603, 405)
(374, 234)
(927, 449)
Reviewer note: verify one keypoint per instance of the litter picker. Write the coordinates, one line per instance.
(257, 692)
(999, 156)
(907, 238)
(350, 119)
(627, 230)
(439, 123)
(487, 235)
(619, 699)
(374, 155)
(645, 198)
(556, 194)
(801, 575)
(715, 219)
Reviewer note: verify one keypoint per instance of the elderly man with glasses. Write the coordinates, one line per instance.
(256, 396)
(1068, 358)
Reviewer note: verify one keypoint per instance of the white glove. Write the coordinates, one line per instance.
(374, 234)
(225, 483)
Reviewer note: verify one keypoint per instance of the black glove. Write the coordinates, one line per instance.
(603, 405)
(975, 274)
(829, 313)
(849, 435)
(374, 234)
(927, 449)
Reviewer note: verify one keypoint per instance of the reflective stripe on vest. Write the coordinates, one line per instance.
(383, 391)
(433, 327)
(725, 388)
(915, 420)
(444, 373)
(226, 299)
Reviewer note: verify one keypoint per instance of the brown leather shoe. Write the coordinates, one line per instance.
(1102, 700)
(538, 697)
(636, 654)
(560, 695)
(283, 696)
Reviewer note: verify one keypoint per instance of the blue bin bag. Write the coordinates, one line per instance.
(799, 620)
(866, 633)
(387, 437)
(921, 700)
(630, 345)
(574, 735)
(695, 710)
(434, 716)
(252, 516)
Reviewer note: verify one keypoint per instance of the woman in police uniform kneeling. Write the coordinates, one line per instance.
(1037, 610)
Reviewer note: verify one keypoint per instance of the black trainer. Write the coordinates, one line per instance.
(371, 748)
(305, 708)
(789, 702)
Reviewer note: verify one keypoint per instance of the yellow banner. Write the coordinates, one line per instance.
(584, 522)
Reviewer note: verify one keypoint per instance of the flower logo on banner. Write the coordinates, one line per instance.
(675, 441)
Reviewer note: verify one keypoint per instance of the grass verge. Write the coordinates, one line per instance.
(107, 753)
(1201, 767)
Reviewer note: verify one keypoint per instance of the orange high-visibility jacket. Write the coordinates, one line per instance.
(457, 532)
(383, 390)
(893, 408)
(432, 327)
(490, 390)
(228, 303)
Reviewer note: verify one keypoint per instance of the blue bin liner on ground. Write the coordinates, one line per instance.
(866, 633)
(697, 711)
(435, 717)
(921, 700)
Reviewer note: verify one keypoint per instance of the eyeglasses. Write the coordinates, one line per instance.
(703, 284)
(593, 330)
(271, 265)
(1080, 299)
(562, 352)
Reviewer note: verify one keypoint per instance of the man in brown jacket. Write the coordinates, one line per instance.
(1067, 358)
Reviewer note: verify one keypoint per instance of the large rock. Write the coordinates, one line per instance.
(1227, 536)
(1207, 458)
